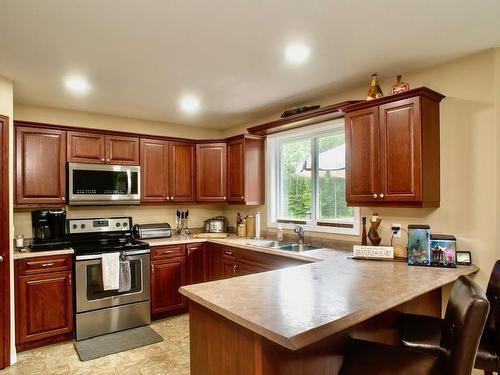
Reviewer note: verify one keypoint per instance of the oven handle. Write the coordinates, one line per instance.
(129, 182)
(98, 256)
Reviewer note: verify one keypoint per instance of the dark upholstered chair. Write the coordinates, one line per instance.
(424, 333)
(461, 330)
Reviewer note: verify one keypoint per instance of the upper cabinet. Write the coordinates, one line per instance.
(211, 168)
(154, 171)
(40, 166)
(167, 170)
(392, 151)
(245, 169)
(87, 147)
(182, 157)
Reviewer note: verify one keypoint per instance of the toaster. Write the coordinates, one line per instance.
(146, 231)
(216, 224)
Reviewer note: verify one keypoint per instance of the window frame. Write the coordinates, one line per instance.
(274, 144)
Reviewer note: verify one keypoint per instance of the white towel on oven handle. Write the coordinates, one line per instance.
(110, 271)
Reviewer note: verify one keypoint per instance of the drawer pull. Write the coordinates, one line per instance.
(47, 264)
(228, 252)
(168, 252)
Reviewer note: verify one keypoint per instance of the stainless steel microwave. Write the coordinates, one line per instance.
(102, 184)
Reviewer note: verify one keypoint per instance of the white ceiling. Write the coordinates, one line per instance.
(142, 56)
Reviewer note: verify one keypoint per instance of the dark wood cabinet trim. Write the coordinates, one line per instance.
(300, 120)
(5, 242)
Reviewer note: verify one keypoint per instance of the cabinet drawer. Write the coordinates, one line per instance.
(37, 265)
(229, 253)
(165, 252)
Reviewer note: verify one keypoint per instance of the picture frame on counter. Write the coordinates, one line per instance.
(464, 258)
(373, 252)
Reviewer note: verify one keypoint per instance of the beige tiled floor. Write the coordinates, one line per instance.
(170, 357)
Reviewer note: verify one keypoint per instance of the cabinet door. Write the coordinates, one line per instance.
(166, 279)
(215, 256)
(182, 172)
(197, 263)
(362, 156)
(40, 166)
(44, 306)
(85, 147)
(236, 170)
(247, 269)
(229, 268)
(154, 171)
(211, 171)
(122, 150)
(400, 151)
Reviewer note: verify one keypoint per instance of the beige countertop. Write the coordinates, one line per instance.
(300, 305)
(33, 254)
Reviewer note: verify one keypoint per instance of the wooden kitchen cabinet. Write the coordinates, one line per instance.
(392, 151)
(167, 276)
(40, 166)
(154, 171)
(44, 301)
(182, 157)
(197, 263)
(98, 148)
(167, 170)
(211, 172)
(84, 147)
(245, 170)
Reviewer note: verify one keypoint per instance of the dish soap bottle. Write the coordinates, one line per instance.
(279, 234)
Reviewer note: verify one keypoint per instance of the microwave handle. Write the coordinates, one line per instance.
(129, 182)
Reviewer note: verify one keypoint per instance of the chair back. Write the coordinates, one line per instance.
(492, 327)
(464, 322)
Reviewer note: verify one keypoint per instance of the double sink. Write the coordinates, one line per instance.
(295, 247)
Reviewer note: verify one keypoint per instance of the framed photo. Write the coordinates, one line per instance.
(464, 258)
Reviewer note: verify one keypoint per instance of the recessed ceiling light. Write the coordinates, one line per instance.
(190, 104)
(77, 84)
(297, 53)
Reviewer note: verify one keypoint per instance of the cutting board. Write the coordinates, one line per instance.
(210, 235)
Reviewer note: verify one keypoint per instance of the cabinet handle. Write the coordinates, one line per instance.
(375, 196)
(62, 198)
(172, 198)
(47, 264)
(168, 198)
(103, 159)
(234, 269)
(1, 258)
(69, 279)
(108, 160)
(152, 268)
(242, 197)
(381, 196)
(224, 197)
(228, 252)
(168, 252)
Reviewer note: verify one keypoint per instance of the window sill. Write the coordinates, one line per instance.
(319, 228)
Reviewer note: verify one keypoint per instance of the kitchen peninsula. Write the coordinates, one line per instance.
(295, 320)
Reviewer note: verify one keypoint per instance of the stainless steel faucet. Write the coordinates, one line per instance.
(300, 233)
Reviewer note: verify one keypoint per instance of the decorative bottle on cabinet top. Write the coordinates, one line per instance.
(374, 92)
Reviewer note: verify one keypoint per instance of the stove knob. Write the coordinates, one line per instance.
(75, 226)
(118, 225)
(125, 224)
(83, 226)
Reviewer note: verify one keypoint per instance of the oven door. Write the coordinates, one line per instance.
(103, 184)
(90, 294)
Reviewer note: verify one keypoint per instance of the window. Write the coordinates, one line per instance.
(306, 180)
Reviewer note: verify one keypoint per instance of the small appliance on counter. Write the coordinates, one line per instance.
(148, 231)
(48, 230)
(217, 224)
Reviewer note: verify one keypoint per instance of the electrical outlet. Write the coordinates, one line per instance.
(397, 234)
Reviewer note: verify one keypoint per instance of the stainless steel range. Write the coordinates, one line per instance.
(100, 311)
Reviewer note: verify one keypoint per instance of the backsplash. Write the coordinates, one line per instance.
(140, 214)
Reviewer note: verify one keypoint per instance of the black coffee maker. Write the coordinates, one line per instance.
(48, 230)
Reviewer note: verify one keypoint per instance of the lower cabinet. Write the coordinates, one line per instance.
(167, 276)
(44, 301)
